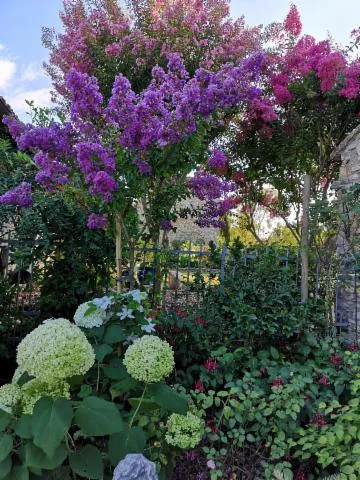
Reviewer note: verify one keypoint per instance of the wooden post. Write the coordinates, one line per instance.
(305, 240)
(118, 254)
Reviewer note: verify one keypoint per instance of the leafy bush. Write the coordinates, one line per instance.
(96, 418)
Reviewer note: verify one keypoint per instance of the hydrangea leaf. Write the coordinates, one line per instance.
(129, 441)
(87, 462)
(97, 417)
(19, 473)
(167, 398)
(6, 444)
(5, 467)
(5, 419)
(101, 351)
(54, 413)
(114, 334)
(35, 458)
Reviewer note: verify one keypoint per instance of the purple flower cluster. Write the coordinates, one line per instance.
(97, 221)
(51, 172)
(144, 167)
(19, 196)
(98, 164)
(217, 160)
(55, 140)
(85, 95)
(15, 126)
(167, 225)
(102, 184)
(206, 186)
(169, 108)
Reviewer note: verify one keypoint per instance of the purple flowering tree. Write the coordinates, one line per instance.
(132, 148)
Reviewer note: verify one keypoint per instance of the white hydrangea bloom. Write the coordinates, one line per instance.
(56, 349)
(35, 389)
(95, 318)
(9, 397)
(184, 431)
(17, 375)
(149, 359)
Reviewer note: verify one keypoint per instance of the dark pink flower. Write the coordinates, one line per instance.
(277, 382)
(292, 23)
(211, 365)
(336, 360)
(199, 386)
(319, 420)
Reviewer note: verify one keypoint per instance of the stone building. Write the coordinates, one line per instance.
(348, 240)
(188, 230)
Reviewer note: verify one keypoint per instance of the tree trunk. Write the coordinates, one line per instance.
(118, 254)
(305, 240)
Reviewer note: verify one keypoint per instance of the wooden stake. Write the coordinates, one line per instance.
(305, 240)
(118, 254)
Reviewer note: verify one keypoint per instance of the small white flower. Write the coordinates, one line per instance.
(149, 328)
(137, 296)
(140, 308)
(131, 339)
(125, 313)
(103, 302)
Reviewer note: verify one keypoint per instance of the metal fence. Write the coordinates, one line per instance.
(181, 276)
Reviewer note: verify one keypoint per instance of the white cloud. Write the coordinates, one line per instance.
(7, 71)
(31, 73)
(41, 98)
(2, 47)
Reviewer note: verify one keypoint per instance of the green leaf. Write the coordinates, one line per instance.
(5, 419)
(348, 469)
(87, 462)
(34, 457)
(5, 467)
(50, 422)
(23, 427)
(146, 404)
(274, 353)
(6, 444)
(114, 334)
(250, 438)
(167, 398)
(101, 351)
(116, 372)
(19, 473)
(339, 389)
(97, 417)
(356, 449)
(287, 474)
(130, 441)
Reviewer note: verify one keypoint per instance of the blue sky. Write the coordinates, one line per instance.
(22, 55)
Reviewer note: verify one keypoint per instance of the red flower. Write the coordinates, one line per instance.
(180, 312)
(212, 425)
(277, 382)
(199, 386)
(323, 380)
(159, 328)
(319, 420)
(201, 321)
(211, 365)
(336, 360)
(300, 476)
(152, 315)
(353, 347)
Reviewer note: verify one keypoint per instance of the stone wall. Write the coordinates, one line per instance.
(187, 230)
(348, 291)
